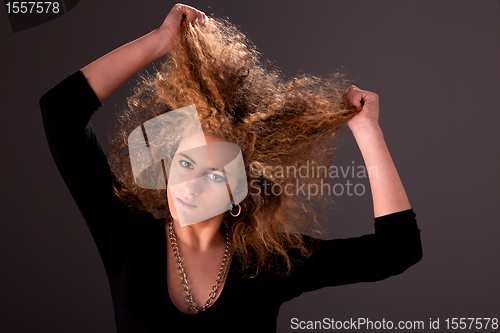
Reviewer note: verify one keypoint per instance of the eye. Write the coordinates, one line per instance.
(186, 164)
(216, 178)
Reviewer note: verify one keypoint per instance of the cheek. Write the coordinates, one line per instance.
(171, 205)
(220, 194)
(233, 182)
(213, 196)
(169, 195)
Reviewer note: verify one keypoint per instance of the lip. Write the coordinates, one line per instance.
(185, 204)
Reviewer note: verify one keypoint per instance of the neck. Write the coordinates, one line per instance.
(201, 236)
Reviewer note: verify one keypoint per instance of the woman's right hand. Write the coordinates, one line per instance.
(170, 29)
(111, 70)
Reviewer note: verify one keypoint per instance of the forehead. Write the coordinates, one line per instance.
(197, 139)
(207, 149)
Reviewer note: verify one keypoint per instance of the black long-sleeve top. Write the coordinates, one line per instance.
(133, 246)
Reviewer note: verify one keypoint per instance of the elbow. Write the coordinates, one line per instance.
(414, 252)
(418, 256)
(410, 256)
(46, 103)
(400, 257)
(43, 101)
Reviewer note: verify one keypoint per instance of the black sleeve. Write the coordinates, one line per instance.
(66, 112)
(393, 248)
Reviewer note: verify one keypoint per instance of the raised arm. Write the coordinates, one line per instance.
(394, 247)
(388, 193)
(110, 71)
(66, 112)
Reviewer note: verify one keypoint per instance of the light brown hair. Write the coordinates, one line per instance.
(275, 122)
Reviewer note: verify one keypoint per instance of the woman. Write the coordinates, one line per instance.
(222, 271)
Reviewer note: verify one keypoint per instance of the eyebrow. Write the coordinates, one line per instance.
(191, 160)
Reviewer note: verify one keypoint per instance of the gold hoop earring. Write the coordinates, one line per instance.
(231, 210)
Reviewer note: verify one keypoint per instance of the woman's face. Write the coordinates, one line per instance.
(202, 173)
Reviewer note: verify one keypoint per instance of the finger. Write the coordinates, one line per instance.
(203, 18)
(354, 96)
(178, 12)
(190, 12)
(200, 18)
(359, 98)
(368, 97)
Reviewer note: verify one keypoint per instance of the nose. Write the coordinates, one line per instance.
(193, 186)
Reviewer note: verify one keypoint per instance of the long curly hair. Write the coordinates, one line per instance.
(279, 125)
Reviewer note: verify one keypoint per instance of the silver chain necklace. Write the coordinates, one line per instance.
(182, 274)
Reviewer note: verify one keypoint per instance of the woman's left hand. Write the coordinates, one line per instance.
(388, 193)
(368, 104)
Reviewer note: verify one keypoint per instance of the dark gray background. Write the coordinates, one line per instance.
(435, 65)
